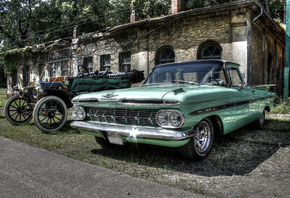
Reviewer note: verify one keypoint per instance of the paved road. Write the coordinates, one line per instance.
(32, 172)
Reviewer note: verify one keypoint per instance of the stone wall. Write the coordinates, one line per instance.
(267, 58)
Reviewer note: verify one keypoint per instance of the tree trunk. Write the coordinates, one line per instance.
(267, 7)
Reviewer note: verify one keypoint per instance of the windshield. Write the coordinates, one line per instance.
(199, 73)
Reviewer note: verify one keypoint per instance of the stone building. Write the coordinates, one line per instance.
(240, 31)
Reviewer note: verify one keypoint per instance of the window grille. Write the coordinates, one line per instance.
(106, 62)
(58, 63)
(166, 56)
(125, 62)
(211, 51)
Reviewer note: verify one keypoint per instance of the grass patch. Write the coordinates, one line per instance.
(281, 109)
(237, 153)
(3, 96)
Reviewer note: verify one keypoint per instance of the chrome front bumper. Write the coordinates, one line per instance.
(133, 131)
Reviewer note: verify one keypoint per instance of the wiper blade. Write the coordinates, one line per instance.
(186, 82)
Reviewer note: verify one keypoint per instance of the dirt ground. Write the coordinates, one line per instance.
(271, 178)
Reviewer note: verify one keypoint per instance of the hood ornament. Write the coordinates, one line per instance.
(109, 96)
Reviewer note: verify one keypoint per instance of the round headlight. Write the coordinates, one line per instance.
(78, 113)
(175, 119)
(81, 114)
(169, 118)
(162, 118)
(73, 112)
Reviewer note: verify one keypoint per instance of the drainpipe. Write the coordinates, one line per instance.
(250, 50)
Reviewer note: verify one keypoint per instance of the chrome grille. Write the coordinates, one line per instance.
(123, 116)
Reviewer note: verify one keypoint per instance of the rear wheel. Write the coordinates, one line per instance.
(50, 114)
(201, 143)
(17, 111)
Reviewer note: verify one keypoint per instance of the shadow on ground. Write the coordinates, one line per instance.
(237, 153)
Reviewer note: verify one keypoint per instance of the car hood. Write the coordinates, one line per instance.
(171, 94)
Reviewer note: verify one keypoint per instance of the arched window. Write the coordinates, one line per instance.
(209, 50)
(165, 55)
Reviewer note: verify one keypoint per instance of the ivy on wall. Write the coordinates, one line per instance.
(11, 58)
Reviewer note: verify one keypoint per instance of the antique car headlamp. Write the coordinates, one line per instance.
(78, 113)
(169, 118)
(37, 92)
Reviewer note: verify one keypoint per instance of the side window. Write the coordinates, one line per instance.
(223, 79)
(235, 77)
(106, 62)
(166, 56)
(59, 63)
(125, 62)
(209, 50)
(88, 63)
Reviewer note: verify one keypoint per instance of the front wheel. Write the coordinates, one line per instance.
(50, 114)
(201, 143)
(17, 111)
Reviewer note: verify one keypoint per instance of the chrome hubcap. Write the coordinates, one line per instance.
(202, 137)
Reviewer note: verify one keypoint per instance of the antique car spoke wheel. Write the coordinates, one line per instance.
(201, 143)
(17, 110)
(50, 114)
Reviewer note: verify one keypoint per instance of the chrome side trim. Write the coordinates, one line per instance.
(132, 131)
(148, 102)
(226, 106)
(85, 101)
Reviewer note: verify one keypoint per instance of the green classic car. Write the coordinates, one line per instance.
(182, 105)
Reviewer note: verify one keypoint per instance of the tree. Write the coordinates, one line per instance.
(151, 8)
(15, 21)
(275, 8)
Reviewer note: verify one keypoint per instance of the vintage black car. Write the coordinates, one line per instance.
(48, 102)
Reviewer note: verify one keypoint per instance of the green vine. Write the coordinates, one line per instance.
(11, 58)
